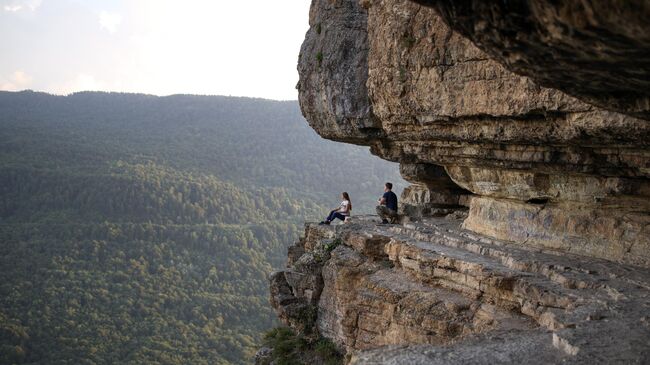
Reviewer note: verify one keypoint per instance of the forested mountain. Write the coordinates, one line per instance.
(136, 228)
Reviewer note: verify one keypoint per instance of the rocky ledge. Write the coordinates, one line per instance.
(523, 129)
(533, 164)
(432, 292)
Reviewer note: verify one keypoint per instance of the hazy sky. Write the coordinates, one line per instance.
(162, 47)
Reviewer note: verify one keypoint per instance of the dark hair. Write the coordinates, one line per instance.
(389, 186)
(347, 197)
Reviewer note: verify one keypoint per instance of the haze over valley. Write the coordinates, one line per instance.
(137, 228)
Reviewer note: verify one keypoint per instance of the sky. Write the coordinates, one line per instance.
(160, 47)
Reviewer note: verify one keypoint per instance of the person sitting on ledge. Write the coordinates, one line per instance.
(387, 208)
(342, 212)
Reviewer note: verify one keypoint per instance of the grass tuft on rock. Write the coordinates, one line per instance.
(289, 348)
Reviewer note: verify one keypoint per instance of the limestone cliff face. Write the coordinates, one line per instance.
(596, 50)
(527, 225)
(543, 168)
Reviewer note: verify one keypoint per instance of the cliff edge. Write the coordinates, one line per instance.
(431, 292)
(523, 129)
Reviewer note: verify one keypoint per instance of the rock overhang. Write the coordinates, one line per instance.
(393, 75)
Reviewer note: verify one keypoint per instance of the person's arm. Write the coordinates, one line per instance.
(382, 200)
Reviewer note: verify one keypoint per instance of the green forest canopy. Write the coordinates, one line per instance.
(136, 228)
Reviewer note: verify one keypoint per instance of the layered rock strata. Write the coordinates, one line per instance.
(544, 168)
(527, 225)
(428, 292)
(596, 50)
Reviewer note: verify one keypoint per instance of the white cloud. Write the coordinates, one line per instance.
(18, 80)
(155, 46)
(109, 21)
(81, 82)
(13, 6)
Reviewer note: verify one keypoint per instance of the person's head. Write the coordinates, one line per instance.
(388, 187)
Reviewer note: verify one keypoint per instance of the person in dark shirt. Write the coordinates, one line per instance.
(387, 208)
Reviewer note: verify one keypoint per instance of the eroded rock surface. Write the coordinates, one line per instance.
(333, 67)
(523, 129)
(431, 290)
(546, 169)
(597, 50)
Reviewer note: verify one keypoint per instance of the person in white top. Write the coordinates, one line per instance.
(342, 212)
